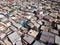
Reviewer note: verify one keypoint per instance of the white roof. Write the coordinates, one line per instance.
(29, 39)
(13, 28)
(58, 26)
(19, 43)
(37, 43)
(14, 37)
(57, 39)
(1, 16)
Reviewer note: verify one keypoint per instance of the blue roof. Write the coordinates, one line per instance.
(23, 23)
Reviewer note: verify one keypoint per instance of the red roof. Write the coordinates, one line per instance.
(10, 0)
(1, 0)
